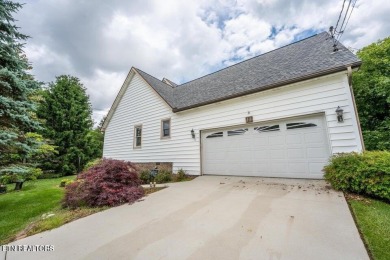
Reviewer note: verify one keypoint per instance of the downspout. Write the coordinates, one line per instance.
(349, 73)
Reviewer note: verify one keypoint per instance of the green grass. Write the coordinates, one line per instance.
(61, 217)
(373, 220)
(21, 211)
(19, 208)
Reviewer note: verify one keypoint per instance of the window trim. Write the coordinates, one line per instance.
(267, 128)
(298, 125)
(240, 131)
(135, 137)
(162, 128)
(215, 134)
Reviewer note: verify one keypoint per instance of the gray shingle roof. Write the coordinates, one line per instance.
(169, 82)
(308, 58)
(163, 89)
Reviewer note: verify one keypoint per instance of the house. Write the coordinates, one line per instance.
(273, 115)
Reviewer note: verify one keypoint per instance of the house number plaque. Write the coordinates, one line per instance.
(249, 119)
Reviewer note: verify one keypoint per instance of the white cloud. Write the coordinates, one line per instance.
(102, 89)
(49, 61)
(103, 86)
(98, 41)
(369, 22)
(245, 30)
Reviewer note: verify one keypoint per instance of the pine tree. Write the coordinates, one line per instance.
(17, 116)
(67, 114)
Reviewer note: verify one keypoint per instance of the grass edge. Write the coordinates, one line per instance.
(347, 198)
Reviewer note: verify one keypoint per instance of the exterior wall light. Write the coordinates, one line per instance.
(339, 112)
(193, 133)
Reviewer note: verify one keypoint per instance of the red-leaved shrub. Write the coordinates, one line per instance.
(109, 183)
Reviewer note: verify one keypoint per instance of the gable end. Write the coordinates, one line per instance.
(133, 71)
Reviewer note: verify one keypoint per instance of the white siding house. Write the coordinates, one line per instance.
(293, 133)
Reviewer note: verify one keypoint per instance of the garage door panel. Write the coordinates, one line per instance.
(236, 168)
(234, 142)
(314, 138)
(215, 156)
(276, 168)
(296, 148)
(277, 140)
(277, 154)
(316, 167)
(296, 153)
(246, 157)
(214, 140)
(297, 167)
(239, 147)
(294, 139)
(259, 154)
(240, 160)
(217, 168)
(260, 140)
(316, 152)
(261, 166)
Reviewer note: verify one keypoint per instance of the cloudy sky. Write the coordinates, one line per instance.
(99, 41)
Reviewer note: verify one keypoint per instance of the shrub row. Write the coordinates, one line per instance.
(364, 173)
(163, 176)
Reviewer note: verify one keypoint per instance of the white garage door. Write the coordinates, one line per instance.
(293, 148)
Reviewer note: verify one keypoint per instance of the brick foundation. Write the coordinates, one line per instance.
(167, 166)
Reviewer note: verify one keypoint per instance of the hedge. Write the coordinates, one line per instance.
(363, 173)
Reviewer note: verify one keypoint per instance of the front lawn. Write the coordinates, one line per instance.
(20, 208)
(37, 207)
(373, 220)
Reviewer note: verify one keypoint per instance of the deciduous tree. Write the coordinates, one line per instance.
(372, 92)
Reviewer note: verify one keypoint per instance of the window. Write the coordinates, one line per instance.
(165, 128)
(299, 125)
(268, 128)
(137, 136)
(237, 132)
(218, 134)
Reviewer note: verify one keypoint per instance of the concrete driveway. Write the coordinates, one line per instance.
(214, 218)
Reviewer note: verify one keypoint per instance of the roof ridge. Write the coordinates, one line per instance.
(181, 85)
(169, 82)
(152, 77)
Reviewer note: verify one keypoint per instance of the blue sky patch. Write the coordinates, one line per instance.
(305, 34)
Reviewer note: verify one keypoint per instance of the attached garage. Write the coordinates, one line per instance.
(290, 148)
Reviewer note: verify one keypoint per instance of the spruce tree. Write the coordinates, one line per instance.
(67, 114)
(17, 116)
